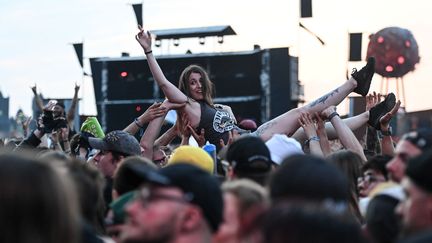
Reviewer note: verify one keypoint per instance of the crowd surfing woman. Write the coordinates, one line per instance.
(195, 89)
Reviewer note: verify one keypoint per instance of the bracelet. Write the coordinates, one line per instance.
(147, 52)
(314, 138)
(332, 115)
(137, 123)
(386, 133)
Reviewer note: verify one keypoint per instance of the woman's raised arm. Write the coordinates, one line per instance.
(172, 93)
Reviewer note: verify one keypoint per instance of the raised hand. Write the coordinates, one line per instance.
(372, 100)
(200, 138)
(25, 125)
(328, 111)
(230, 139)
(182, 125)
(55, 137)
(144, 39)
(308, 125)
(34, 88)
(385, 120)
(64, 133)
(154, 111)
(320, 124)
(77, 87)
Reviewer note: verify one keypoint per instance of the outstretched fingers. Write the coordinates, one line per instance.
(384, 120)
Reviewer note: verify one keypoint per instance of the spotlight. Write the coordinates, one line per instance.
(220, 39)
(389, 68)
(380, 39)
(202, 40)
(176, 42)
(158, 43)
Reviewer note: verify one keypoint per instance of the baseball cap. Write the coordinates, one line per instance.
(192, 155)
(310, 178)
(61, 104)
(247, 152)
(281, 146)
(419, 170)
(117, 141)
(203, 188)
(118, 207)
(422, 138)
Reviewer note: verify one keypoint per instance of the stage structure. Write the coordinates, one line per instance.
(258, 84)
(4, 114)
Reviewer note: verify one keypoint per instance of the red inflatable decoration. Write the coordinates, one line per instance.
(395, 51)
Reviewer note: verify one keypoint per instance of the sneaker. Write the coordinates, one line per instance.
(380, 110)
(364, 77)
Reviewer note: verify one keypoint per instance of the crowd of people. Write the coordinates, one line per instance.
(302, 177)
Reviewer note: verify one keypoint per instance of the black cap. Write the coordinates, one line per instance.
(245, 152)
(117, 141)
(203, 188)
(310, 178)
(422, 138)
(419, 170)
(61, 104)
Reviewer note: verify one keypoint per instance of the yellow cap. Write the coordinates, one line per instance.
(194, 156)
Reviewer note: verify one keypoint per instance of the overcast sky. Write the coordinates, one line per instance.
(36, 37)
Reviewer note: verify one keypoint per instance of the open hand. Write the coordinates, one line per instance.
(385, 120)
(372, 100)
(154, 111)
(200, 138)
(307, 124)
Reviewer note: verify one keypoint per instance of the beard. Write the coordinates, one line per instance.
(162, 234)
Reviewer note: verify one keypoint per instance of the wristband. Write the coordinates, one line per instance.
(314, 138)
(332, 115)
(137, 123)
(148, 52)
(386, 133)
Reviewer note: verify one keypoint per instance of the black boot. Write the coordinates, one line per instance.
(364, 77)
(380, 110)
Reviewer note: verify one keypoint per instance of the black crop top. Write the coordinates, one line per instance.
(216, 123)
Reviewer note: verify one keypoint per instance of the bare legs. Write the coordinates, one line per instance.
(287, 123)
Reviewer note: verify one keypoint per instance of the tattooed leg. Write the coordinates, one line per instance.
(324, 98)
(335, 97)
(287, 123)
(264, 127)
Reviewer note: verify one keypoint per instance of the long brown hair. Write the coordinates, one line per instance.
(207, 85)
(350, 163)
